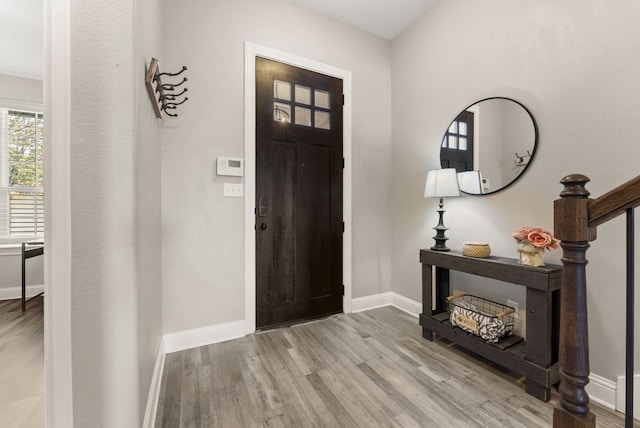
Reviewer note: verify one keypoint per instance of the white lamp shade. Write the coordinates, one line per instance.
(470, 182)
(441, 183)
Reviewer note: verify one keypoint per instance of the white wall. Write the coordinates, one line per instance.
(202, 232)
(572, 64)
(115, 223)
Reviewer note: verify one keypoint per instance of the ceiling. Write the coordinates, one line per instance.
(21, 38)
(21, 26)
(385, 18)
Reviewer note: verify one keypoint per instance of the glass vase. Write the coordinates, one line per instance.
(530, 255)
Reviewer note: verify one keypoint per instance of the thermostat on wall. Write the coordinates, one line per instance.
(230, 166)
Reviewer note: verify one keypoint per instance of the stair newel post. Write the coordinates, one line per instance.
(571, 226)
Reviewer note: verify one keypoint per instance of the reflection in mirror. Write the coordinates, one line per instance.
(490, 144)
(470, 182)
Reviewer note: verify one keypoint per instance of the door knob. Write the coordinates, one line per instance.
(263, 226)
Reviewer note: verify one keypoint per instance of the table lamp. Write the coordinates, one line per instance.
(441, 183)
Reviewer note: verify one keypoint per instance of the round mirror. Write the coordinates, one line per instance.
(490, 144)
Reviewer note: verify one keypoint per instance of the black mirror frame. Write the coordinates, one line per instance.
(533, 152)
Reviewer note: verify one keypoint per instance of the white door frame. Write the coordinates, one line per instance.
(57, 241)
(251, 51)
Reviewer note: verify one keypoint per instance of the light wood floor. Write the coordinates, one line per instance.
(21, 364)
(371, 369)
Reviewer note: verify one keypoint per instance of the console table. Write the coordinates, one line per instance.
(536, 358)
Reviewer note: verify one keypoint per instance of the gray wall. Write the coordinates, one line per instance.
(115, 200)
(148, 44)
(571, 64)
(203, 232)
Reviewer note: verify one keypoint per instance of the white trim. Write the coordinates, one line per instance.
(387, 299)
(154, 389)
(11, 293)
(410, 306)
(57, 253)
(602, 391)
(196, 337)
(621, 394)
(251, 51)
(374, 301)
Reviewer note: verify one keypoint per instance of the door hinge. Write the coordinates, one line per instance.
(343, 227)
(343, 289)
(342, 163)
(342, 99)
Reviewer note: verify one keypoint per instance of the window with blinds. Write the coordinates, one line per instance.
(21, 173)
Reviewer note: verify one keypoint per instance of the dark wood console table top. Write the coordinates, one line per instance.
(536, 358)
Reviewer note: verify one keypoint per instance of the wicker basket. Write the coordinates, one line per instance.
(476, 249)
(485, 318)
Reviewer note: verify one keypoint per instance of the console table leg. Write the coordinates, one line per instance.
(429, 334)
(541, 392)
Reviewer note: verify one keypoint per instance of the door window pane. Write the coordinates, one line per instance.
(463, 128)
(303, 116)
(322, 119)
(453, 142)
(322, 99)
(303, 94)
(282, 112)
(462, 143)
(282, 90)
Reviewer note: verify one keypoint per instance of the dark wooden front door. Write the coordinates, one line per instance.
(457, 144)
(298, 194)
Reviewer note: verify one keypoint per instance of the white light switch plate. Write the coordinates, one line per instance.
(515, 306)
(233, 190)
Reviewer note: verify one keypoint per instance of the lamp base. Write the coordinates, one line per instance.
(435, 248)
(440, 246)
(440, 238)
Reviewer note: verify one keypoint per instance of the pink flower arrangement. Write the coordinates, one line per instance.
(535, 236)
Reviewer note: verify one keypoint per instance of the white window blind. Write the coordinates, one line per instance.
(21, 173)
